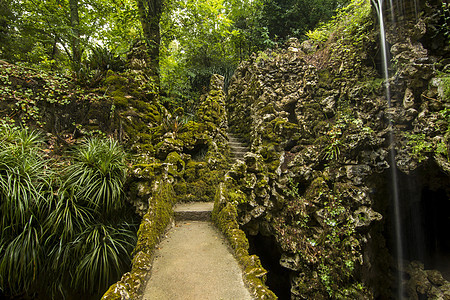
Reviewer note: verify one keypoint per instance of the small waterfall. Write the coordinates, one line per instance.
(394, 177)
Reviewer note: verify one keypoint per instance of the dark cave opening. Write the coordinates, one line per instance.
(278, 277)
(425, 226)
(198, 152)
(435, 213)
(424, 217)
(290, 108)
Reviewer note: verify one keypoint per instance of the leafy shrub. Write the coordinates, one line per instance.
(62, 232)
(104, 59)
(24, 192)
(98, 174)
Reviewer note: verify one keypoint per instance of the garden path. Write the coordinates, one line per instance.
(194, 261)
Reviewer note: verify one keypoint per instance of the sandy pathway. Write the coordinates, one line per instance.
(193, 262)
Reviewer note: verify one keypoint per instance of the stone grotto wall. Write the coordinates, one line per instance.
(317, 180)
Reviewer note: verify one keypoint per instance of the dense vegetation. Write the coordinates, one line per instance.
(62, 233)
(197, 37)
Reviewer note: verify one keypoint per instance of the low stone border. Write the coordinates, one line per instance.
(153, 225)
(224, 216)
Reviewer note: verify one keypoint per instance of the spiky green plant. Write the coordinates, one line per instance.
(24, 178)
(98, 173)
(24, 192)
(103, 251)
(60, 236)
(21, 259)
(65, 222)
(94, 243)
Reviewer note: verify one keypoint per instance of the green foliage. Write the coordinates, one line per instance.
(22, 258)
(348, 21)
(196, 44)
(419, 145)
(444, 29)
(101, 249)
(24, 191)
(175, 123)
(332, 151)
(446, 85)
(61, 228)
(39, 34)
(294, 18)
(347, 36)
(24, 177)
(333, 253)
(98, 174)
(27, 90)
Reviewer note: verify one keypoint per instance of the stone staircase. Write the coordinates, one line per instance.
(238, 149)
(196, 211)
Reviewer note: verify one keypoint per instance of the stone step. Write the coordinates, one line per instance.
(233, 138)
(238, 149)
(193, 211)
(239, 152)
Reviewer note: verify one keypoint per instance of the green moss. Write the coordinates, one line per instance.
(180, 189)
(119, 99)
(268, 109)
(121, 102)
(115, 80)
(324, 78)
(148, 171)
(224, 217)
(176, 164)
(237, 197)
(179, 111)
(149, 111)
(193, 134)
(190, 172)
(153, 225)
(212, 109)
(316, 189)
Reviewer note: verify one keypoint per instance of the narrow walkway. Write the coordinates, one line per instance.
(194, 262)
(238, 149)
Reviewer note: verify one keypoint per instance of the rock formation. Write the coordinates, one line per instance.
(316, 117)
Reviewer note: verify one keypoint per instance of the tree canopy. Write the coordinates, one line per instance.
(197, 38)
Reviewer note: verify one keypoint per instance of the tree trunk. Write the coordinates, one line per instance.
(75, 24)
(150, 14)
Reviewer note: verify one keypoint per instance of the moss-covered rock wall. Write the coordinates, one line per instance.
(317, 119)
(153, 225)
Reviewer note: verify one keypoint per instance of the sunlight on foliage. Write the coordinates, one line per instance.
(347, 21)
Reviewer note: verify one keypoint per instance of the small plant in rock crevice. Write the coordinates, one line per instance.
(419, 145)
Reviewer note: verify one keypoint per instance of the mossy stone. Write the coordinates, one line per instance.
(176, 164)
(115, 79)
(153, 225)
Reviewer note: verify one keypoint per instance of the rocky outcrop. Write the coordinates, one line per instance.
(185, 163)
(317, 120)
(154, 223)
(426, 283)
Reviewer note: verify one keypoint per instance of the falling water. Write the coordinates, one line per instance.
(398, 237)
